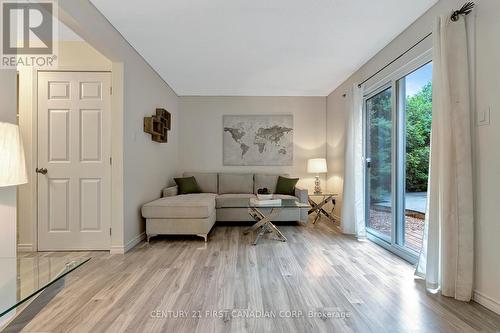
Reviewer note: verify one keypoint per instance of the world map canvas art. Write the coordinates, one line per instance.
(258, 140)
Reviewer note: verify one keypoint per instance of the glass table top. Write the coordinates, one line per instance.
(253, 202)
(23, 277)
(323, 194)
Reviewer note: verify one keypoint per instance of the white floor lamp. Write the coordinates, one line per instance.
(12, 173)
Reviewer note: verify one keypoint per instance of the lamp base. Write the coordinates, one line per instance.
(317, 186)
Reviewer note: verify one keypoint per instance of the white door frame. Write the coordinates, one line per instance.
(391, 80)
(31, 130)
(105, 240)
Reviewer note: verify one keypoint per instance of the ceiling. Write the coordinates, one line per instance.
(259, 47)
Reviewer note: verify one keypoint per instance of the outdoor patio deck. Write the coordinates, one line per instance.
(414, 233)
(380, 220)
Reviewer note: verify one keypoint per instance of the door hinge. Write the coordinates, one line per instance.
(111, 160)
(110, 231)
(111, 90)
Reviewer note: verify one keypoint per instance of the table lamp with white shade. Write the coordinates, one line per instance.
(317, 166)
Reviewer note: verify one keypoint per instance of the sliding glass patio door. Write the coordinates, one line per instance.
(397, 123)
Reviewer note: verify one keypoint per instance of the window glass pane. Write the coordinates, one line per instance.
(379, 171)
(418, 115)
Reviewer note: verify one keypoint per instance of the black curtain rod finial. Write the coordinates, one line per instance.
(465, 10)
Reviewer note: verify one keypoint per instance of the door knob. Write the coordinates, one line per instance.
(43, 171)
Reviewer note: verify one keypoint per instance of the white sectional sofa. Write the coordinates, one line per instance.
(196, 213)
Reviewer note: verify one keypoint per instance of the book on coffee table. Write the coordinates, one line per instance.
(269, 202)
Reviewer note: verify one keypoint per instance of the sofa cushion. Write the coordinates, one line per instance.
(266, 181)
(206, 180)
(286, 185)
(196, 205)
(235, 183)
(187, 185)
(229, 200)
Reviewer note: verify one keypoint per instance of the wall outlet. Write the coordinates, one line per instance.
(483, 117)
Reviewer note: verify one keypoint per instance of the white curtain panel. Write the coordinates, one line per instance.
(353, 213)
(446, 262)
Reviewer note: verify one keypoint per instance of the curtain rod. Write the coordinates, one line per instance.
(465, 10)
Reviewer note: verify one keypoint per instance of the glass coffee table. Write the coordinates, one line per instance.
(262, 217)
(28, 283)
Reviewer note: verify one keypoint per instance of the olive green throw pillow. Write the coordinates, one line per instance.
(286, 185)
(187, 185)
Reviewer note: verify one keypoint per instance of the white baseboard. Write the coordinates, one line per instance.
(134, 241)
(117, 249)
(487, 301)
(25, 248)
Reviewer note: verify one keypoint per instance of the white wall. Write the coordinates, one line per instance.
(487, 229)
(8, 194)
(141, 166)
(201, 131)
(80, 54)
(487, 154)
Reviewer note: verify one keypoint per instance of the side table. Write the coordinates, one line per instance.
(317, 207)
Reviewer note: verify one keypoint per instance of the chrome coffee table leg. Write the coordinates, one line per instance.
(264, 222)
(277, 232)
(261, 233)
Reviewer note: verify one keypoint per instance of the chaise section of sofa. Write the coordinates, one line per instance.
(196, 213)
(188, 214)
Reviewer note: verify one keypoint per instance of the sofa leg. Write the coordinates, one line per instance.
(148, 237)
(205, 236)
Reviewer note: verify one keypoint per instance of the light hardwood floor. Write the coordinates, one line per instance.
(317, 270)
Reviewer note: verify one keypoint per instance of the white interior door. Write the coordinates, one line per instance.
(74, 171)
